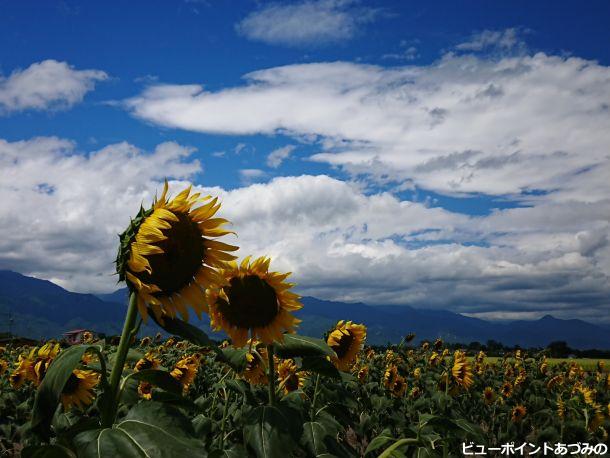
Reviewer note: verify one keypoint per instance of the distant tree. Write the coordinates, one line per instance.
(559, 349)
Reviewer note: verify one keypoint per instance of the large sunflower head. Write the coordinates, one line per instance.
(251, 300)
(346, 340)
(78, 390)
(461, 370)
(168, 253)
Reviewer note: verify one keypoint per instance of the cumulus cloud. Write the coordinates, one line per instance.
(465, 124)
(279, 155)
(46, 85)
(305, 23)
(62, 209)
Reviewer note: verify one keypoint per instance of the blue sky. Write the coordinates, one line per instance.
(463, 143)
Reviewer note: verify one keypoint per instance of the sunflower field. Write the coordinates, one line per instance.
(268, 391)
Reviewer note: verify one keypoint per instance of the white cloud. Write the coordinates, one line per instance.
(61, 211)
(502, 39)
(305, 23)
(251, 175)
(279, 155)
(46, 85)
(464, 124)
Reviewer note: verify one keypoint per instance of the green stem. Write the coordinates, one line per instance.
(271, 375)
(315, 397)
(109, 411)
(224, 418)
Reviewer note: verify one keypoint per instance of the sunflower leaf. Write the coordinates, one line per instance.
(149, 429)
(47, 451)
(235, 357)
(266, 432)
(155, 377)
(49, 391)
(295, 345)
(320, 366)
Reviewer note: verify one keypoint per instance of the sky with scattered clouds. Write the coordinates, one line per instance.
(442, 155)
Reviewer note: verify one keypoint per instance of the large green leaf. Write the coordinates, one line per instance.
(266, 432)
(160, 379)
(234, 357)
(47, 451)
(295, 345)
(312, 439)
(320, 365)
(56, 377)
(150, 429)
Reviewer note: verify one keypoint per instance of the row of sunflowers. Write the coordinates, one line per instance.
(268, 391)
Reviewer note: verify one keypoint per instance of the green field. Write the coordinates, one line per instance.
(588, 364)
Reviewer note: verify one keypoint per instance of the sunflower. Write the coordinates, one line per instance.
(255, 371)
(3, 366)
(185, 371)
(145, 342)
(363, 374)
(518, 413)
(78, 390)
(288, 376)
(561, 408)
(389, 376)
(17, 378)
(167, 254)
(87, 337)
(415, 392)
(461, 371)
(39, 360)
(145, 390)
(507, 389)
(417, 373)
(488, 395)
(251, 299)
(438, 343)
(399, 387)
(346, 340)
(555, 381)
(148, 362)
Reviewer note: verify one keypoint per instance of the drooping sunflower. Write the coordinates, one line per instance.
(145, 390)
(399, 387)
(255, 371)
(168, 254)
(184, 372)
(150, 361)
(3, 366)
(251, 300)
(489, 395)
(288, 376)
(78, 390)
(389, 376)
(518, 413)
(346, 340)
(363, 374)
(461, 371)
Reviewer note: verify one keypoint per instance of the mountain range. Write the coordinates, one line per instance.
(36, 308)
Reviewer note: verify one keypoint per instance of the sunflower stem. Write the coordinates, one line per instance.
(315, 398)
(271, 375)
(109, 411)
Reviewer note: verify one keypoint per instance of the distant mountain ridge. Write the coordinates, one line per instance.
(39, 308)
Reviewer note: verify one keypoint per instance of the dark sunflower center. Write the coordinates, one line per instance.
(252, 302)
(71, 385)
(345, 343)
(292, 382)
(144, 364)
(183, 252)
